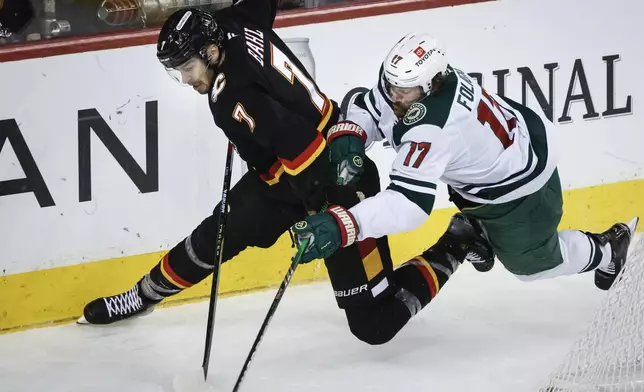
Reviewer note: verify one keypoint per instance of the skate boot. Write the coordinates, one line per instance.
(619, 237)
(473, 240)
(107, 310)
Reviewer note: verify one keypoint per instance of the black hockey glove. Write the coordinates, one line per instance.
(346, 152)
(327, 232)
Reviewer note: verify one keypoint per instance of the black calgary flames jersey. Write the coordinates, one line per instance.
(266, 102)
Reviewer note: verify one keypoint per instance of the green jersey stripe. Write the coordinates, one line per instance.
(423, 200)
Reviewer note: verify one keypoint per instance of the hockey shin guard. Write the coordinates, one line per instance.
(416, 283)
(420, 279)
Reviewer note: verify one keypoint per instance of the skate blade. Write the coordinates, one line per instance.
(192, 381)
(632, 225)
(83, 321)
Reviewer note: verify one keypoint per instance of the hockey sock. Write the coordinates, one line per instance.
(582, 252)
(421, 278)
(179, 269)
(418, 281)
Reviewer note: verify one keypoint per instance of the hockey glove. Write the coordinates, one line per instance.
(327, 232)
(346, 150)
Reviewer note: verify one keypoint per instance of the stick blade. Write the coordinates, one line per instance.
(191, 382)
(632, 225)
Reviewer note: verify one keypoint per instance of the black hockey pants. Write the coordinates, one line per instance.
(258, 215)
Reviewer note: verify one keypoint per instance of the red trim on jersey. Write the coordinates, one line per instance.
(274, 173)
(307, 156)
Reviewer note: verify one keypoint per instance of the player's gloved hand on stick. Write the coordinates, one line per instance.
(327, 232)
(346, 148)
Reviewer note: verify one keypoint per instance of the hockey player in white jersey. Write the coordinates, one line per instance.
(498, 158)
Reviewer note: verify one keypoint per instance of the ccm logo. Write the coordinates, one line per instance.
(350, 292)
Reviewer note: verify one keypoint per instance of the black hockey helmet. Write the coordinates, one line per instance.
(185, 34)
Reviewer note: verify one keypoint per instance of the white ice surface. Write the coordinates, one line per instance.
(484, 332)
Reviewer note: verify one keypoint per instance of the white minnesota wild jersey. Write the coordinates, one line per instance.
(489, 149)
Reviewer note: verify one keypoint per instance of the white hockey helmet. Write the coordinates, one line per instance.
(414, 61)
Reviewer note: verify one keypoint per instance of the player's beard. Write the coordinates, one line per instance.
(204, 84)
(400, 108)
(405, 97)
(202, 87)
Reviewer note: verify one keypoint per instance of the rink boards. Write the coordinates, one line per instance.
(106, 163)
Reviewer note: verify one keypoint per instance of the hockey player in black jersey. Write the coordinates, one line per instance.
(285, 128)
(270, 108)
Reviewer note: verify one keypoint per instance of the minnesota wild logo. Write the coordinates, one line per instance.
(415, 113)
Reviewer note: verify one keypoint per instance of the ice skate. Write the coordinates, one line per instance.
(107, 310)
(470, 234)
(619, 237)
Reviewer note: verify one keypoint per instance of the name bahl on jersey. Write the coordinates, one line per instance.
(266, 102)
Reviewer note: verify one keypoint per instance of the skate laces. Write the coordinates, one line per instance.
(125, 303)
(474, 257)
(618, 231)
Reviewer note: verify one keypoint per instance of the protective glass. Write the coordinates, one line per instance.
(404, 95)
(189, 72)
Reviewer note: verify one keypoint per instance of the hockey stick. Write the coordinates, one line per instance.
(219, 251)
(271, 312)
